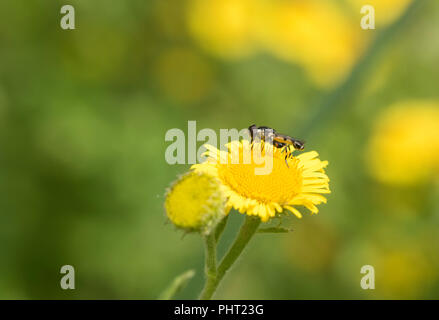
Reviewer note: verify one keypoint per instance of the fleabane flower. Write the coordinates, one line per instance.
(295, 181)
(195, 202)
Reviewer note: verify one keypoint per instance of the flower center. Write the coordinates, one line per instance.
(279, 185)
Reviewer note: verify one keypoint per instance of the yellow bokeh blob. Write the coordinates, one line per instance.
(223, 27)
(404, 147)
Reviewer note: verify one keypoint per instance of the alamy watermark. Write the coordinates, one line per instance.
(68, 280)
(183, 150)
(368, 280)
(368, 20)
(68, 19)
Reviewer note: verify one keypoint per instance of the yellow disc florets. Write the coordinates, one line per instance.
(292, 181)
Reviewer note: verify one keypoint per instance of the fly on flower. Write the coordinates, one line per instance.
(278, 140)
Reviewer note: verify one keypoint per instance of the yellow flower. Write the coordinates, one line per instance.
(195, 202)
(300, 183)
(223, 27)
(404, 148)
(316, 34)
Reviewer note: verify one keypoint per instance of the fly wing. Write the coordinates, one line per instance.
(287, 140)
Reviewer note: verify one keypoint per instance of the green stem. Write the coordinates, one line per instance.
(177, 284)
(248, 229)
(220, 228)
(210, 260)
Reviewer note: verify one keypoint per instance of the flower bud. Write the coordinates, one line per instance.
(195, 202)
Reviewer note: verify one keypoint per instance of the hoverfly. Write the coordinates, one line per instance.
(278, 140)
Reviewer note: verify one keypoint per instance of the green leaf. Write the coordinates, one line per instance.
(177, 284)
(274, 230)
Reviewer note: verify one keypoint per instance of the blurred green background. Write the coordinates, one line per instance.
(84, 112)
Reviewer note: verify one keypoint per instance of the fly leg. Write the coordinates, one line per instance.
(286, 149)
(287, 155)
